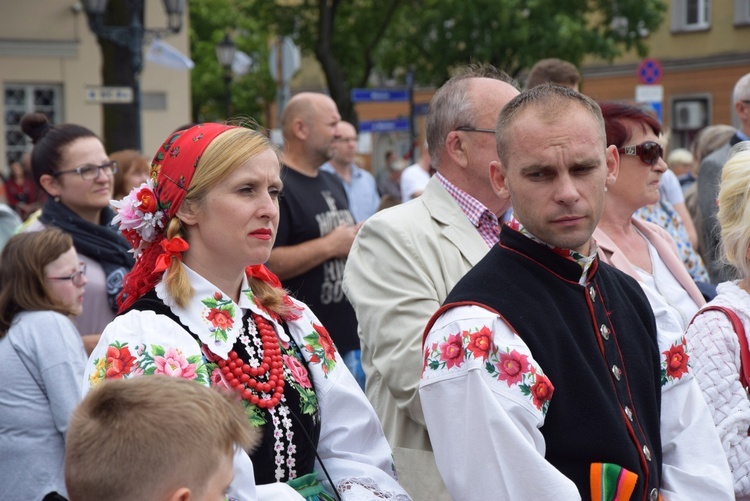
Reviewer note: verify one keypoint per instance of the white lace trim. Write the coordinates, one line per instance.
(365, 489)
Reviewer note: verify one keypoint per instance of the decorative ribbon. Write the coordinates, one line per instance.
(173, 248)
(262, 272)
(610, 482)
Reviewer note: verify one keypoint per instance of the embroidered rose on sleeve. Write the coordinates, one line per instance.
(173, 363)
(541, 391)
(512, 367)
(480, 343)
(452, 351)
(119, 361)
(675, 362)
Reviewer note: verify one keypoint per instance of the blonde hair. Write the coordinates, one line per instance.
(145, 437)
(224, 155)
(679, 156)
(23, 284)
(734, 209)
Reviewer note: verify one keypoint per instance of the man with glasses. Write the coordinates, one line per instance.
(359, 184)
(405, 260)
(544, 375)
(709, 177)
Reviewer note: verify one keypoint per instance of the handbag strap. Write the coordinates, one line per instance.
(740, 331)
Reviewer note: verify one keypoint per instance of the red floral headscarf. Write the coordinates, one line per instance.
(172, 170)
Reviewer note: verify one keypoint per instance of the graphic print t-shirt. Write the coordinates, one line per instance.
(311, 207)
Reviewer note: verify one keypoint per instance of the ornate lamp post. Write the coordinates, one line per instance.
(131, 38)
(225, 51)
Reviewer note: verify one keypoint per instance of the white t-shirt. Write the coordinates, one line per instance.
(413, 180)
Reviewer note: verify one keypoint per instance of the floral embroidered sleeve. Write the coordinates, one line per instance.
(484, 398)
(688, 431)
(504, 362)
(127, 349)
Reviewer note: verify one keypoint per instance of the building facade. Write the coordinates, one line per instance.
(702, 49)
(50, 61)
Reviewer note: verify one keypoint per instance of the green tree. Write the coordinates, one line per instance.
(251, 93)
(435, 36)
(355, 39)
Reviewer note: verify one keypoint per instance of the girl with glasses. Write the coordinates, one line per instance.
(69, 162)
(42, 360)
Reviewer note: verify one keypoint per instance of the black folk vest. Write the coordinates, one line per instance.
(597, 345)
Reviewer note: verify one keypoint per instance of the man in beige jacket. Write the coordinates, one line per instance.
(406, 259)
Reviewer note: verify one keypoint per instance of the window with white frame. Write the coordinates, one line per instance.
(741, 12)
(19, 99)
(691, 15)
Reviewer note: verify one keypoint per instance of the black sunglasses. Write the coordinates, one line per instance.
(649, 152)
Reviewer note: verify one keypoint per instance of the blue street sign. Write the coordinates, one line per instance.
(421, 108)
(397, 125)
(657, 107)
(373, 95)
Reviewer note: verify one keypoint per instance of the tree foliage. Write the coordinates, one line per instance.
(251, 93)
(435, 36)
(358, 41)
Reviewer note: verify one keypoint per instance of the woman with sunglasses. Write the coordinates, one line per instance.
(641, 249)
(199, 304)
(715, 353)
(42, 360)
(69, 162)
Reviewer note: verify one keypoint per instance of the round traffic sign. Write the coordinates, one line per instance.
(650, 71)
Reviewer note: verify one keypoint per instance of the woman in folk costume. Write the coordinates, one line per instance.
(199, 304)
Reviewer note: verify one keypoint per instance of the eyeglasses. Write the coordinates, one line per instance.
(89, 172)
(77, 278)
(466, 128)
(649, 152)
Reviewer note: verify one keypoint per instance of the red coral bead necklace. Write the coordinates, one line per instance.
(242, 377)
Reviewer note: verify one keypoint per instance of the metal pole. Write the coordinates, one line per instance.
(412, 132)
(228, 93)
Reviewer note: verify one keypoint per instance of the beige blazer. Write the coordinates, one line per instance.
(404, 262)
(610, 253)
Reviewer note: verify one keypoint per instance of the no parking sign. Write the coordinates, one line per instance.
(650, 71)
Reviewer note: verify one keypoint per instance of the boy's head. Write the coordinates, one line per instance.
(154, 437)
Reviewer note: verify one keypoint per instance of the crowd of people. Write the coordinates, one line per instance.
(553, 308)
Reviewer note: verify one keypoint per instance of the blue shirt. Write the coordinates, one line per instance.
(361, 191)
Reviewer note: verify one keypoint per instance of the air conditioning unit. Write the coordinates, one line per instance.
(689, 115)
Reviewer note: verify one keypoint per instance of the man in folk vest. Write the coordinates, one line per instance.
(544, 376)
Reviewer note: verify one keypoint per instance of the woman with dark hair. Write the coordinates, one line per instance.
(643, 250)
(41, 360)
(199, 304)
(69, 162)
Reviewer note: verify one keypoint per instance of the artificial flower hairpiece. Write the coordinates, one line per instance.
(139, 217)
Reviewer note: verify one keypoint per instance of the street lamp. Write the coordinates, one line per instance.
(131, 37)
(225, 54)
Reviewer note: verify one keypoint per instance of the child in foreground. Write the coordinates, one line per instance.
(154, 438)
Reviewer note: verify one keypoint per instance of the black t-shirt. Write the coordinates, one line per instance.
(311, 207)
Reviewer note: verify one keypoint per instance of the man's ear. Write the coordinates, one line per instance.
(498, 179)
(300, 129)
(50, 184)
(455, 148)
(613, 165)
